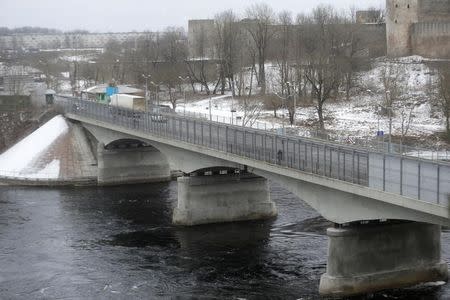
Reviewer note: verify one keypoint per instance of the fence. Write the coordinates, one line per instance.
(351, 164)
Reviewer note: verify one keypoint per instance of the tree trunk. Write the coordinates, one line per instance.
(320, 113)
(262, 77)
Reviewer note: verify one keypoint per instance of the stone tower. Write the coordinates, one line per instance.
(400, 17)
(419, 27)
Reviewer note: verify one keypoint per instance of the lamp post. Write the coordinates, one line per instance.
(156, 85)
(184, 79)
(389, 108)
(147, 77)
(284, 107)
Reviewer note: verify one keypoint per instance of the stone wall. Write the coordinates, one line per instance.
(418, 27)
(434, 11)
(431, 39)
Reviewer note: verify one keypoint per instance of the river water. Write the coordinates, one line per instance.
(118, 243)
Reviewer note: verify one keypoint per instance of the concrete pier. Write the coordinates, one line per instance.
(128, 166)
(369, 258)
(222, 198)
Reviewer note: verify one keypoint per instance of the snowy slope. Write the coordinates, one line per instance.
(18, 158)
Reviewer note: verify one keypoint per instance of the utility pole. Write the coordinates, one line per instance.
(284, 107)
(389, 108)
(146, 90)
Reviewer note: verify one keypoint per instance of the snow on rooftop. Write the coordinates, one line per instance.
(16, 159)
(128, 96)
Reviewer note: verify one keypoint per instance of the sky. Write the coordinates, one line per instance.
(140, 15)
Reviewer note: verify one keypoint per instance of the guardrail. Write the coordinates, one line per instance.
(399, 174)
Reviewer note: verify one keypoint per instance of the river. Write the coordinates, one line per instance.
(118, 243)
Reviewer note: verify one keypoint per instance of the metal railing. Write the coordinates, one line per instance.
(388, 172)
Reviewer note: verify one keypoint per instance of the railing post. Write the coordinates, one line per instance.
(339, 163)
(438, 183)
(384, 172)
(418, 179)
(226, 138)
(401, 175)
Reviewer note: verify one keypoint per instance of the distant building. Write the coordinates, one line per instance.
(418, 27)
(34, 42)
(369, 17)
(22, 81)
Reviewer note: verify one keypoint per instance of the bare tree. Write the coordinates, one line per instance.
(174, 53)
(227, 43)
(260, 27)
(393, 90)
(284, 34)
(322, 69)
(443, 101)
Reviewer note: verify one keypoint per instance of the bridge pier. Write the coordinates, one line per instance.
(369, 258)
(131, 165)
(222, 198)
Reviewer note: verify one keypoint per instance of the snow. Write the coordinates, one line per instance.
(357, 118)
(50, 171)
(16, 159)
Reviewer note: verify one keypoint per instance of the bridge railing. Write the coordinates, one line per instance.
(416, 178)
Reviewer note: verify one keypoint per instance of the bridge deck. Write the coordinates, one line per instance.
(419, 179)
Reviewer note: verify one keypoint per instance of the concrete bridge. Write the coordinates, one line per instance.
(387, 209)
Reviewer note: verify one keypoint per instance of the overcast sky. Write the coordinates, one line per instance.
(128, 15)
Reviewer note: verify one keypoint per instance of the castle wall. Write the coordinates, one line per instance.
(431, 39)
(419, 27)
(434, 11)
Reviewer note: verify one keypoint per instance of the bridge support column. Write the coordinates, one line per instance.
(369, 258)
(222, 198)
(128, 166)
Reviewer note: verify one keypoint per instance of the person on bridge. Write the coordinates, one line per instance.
(279, 156)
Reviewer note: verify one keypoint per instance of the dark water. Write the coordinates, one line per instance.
(118, 243)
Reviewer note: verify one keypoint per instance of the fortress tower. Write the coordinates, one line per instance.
(418, 27)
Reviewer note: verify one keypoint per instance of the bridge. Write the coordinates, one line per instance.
(387, 209)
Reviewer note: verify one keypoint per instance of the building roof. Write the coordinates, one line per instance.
(101, 89)
(128, 96)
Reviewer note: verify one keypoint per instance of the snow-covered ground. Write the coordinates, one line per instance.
(16, 161)
(356, 119)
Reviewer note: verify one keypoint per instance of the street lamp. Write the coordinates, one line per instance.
(283, 105)
(389, 108)
(147, 77)
(184, 79)
(156, 85)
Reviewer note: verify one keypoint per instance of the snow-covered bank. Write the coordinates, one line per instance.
(357, 118)
(17, 160)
